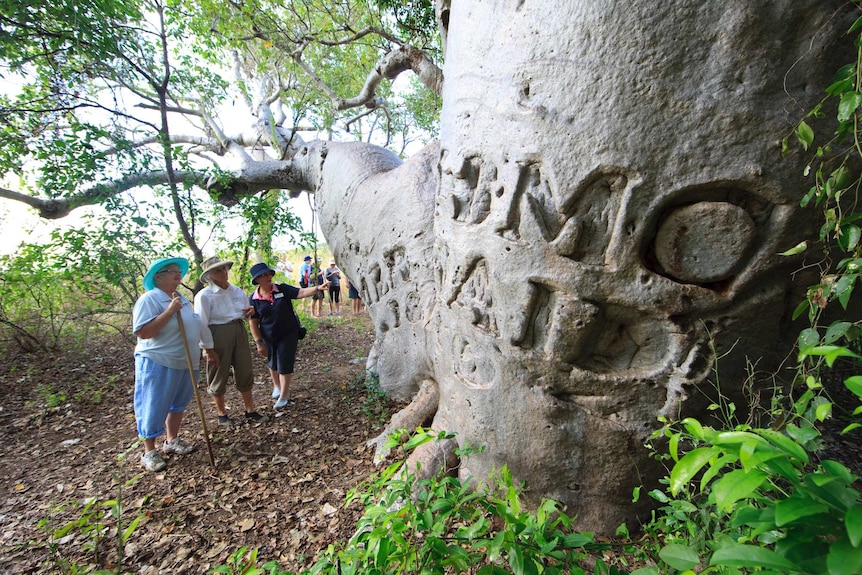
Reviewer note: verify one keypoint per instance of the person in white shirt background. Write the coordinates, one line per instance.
(223, 308)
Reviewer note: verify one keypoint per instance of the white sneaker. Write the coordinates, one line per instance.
(152, 461)
(178, 446)
(276, 393)
(281, 403)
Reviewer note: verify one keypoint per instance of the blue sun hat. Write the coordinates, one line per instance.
(258, 270)
(158, 265)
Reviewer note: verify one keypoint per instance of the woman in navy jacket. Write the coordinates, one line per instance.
(275, 326)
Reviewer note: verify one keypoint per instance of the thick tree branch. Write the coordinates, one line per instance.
(223, 142)
(389, 67)
(56, 208)
(302, 173)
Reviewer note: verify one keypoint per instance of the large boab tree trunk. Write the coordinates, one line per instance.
(600, 223)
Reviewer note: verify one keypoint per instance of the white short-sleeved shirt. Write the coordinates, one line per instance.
(166, 348)
(217, 306)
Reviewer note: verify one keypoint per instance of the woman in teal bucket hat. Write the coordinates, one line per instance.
(163, 385)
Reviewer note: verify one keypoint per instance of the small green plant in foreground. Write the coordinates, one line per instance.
(440, 525)
(762, 503)
(94, 522)
(50, 396)
(242, 562)
(375, 405)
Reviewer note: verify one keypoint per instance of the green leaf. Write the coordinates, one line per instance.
(680, 557)
(659, 495)
(694, 427)
(808, 338)
(516, 560)
(789, 510)
(381, 557)
(752, 455)
(574, 540)
(801, 404)
(852, 426)
(849, 238)
(802, 435)
(823, 411)
(749, 556)
(715, 468)
(785, 444)
(736, 485)
(127, 532)
(673, 446)
(844, 559)
(844, 283)
(844, 77)
(805, 135)
(797, 249)
(838, 471)
(836, 330)
(847, 106)
(803, 306)
(419, 438)
(853, 524)
(687, 467)
(829, 352)
(738, 437)
(854, 384)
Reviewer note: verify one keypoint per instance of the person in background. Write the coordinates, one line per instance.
(285, 268)
(275, 326)
(317, 298)
(353, 294)
(305, 275)
(163, 381)
(305, 272)
(332, 276)
(222, 308)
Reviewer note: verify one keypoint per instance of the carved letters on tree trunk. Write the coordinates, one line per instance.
(595, 233)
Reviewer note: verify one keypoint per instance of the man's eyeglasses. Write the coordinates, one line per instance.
(168, 271)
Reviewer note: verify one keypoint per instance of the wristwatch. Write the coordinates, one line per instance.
(258, 341)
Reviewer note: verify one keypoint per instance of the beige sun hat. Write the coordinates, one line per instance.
(212, 263)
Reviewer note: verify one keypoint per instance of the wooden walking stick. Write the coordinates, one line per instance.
(194, 384)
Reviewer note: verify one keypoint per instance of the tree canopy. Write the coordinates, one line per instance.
(174, 97)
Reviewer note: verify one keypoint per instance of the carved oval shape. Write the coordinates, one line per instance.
(704, 242)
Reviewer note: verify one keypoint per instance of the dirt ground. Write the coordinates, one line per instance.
(66, 420)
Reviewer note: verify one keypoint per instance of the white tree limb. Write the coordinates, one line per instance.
(389, 67)
(56, 208)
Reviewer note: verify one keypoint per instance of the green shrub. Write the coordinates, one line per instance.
(440, 525)
(751, 498)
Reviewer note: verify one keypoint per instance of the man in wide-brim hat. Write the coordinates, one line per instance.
(223, 308)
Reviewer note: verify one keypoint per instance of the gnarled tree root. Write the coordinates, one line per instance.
(421, 409)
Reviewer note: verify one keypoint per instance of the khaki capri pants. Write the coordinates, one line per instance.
(230, 342)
